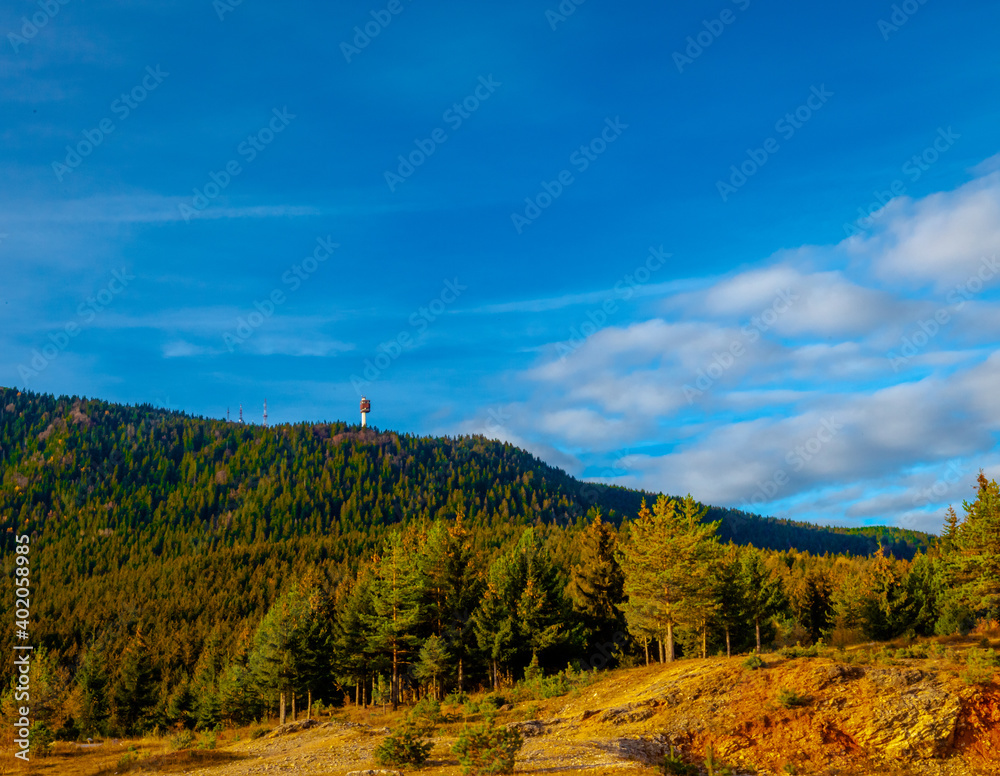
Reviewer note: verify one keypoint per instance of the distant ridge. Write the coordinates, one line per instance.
(162, 481)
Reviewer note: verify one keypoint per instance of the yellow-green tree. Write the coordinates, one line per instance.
(667, 562)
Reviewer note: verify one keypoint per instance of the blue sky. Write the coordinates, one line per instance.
(630, 239)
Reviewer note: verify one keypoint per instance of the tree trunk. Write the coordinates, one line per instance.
(293, 708)
(496, 676)
(309, 708)
(394, 690)
(645, 644)
(281, 709)
(756, 621)
(729, 651)
(357, 694)
(460, 675)
(670, 642)
(704, 641)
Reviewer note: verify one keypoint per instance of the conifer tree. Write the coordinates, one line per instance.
(453, 587)
(762, 592)
(970, 559)
(91, 693)
(133, 693)
(666, 561)
(396, 610)
(597, 584)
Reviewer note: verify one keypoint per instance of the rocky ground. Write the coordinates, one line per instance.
(901, 717)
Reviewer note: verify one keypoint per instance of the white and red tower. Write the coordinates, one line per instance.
(366, 407)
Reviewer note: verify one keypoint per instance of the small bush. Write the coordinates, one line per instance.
(470, 708)
(126, 760)
(982, 664)
(426, 711)
(797, 651)
(258, 733)
(404, 746)
(673, 765)
(494, 700)
(532, 710)
(456, 698)
(40, 739)
(754, 662)
(488, 749)
(789, 698)
(183, 740)
(208, 741)
(712, 766)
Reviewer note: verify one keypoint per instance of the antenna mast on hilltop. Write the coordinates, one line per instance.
(366, 407)
(241, 414)
(265, 413)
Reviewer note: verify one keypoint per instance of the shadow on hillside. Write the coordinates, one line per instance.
(171, 762)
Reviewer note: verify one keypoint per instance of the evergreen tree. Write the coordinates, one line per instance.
(396, 611)
(351, 635)
(731, 595)
(133, 692)
(432, 663)
(971, 557)
(453, 587)
(91, 694)
(597, 584)
(666, 563)
(762, 593)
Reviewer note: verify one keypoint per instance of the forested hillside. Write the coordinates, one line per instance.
(169, 551)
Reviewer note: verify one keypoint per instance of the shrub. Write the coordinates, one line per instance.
(798, 651)
(126, 760)
(754, 662)
(426, 711)
(258, 733)
(494, 700)
(404, 746)
(470, 708)
(981, 665)
(183, 740)
(456, 698)
(488, 749)
(207, 741)
(40, 739)
(673, 765)
(790, 698)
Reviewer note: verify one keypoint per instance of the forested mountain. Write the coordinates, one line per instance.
(162, 543)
